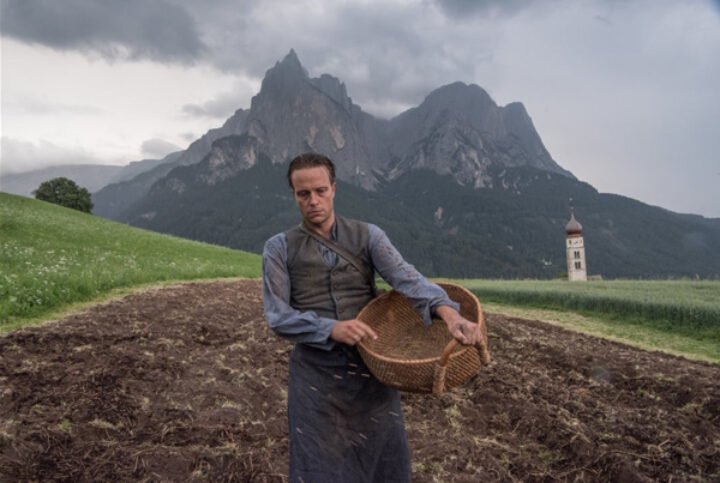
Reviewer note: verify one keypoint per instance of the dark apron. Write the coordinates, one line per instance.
(345, 426)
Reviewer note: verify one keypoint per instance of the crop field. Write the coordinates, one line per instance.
(51, 257)
(187, 383)
(694, 304)
(688, 309)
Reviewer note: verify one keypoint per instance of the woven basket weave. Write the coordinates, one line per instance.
(412, 357)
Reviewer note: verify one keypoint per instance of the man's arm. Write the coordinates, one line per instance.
(427, 297)
(305, 327)
(287, 322)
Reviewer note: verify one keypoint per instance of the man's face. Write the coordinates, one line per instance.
(314, 195)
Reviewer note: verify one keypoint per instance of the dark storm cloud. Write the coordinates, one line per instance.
(389, 55)
(135, 29)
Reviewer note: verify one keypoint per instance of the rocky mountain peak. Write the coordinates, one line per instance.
(459, 97)
(285, 75)
(334, 89)
(293, 113)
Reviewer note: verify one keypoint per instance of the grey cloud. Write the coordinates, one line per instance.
(135, 29)
(188, 136)
(460, 9)
(37, 106)
(158, 148)
(19, 156)
(220, 107)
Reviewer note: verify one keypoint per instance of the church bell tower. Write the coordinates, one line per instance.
(575, 250)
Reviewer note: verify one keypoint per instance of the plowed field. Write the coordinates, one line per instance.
(187, 383)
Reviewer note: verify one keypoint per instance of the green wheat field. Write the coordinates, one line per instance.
(54, 259)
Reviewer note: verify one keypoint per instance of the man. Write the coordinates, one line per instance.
(345, 426)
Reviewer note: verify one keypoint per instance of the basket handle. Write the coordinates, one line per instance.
(483, 349)
(441, 368)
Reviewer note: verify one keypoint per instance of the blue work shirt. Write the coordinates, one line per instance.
(308, 327)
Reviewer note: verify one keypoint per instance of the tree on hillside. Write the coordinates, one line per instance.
(64, 192)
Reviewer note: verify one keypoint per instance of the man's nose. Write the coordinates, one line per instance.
(313, 198)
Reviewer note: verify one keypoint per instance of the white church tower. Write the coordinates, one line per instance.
(575, 249)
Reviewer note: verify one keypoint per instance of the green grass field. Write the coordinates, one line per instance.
(681, 316)
(53, 257)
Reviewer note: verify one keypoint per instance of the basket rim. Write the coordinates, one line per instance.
(362, 344)
(458, 353)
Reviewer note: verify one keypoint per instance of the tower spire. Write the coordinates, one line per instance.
(575, 249)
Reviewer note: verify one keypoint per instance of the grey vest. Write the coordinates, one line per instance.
(338, 292)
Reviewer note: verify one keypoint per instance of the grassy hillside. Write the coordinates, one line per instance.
(51, 257)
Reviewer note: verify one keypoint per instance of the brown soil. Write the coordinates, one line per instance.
(187, 383)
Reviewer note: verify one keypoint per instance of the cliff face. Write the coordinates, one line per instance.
(293, 113)
(459, 130)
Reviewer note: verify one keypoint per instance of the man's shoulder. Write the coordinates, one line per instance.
(275, 243)
(349, 220)
(352, 222)
(374, 231)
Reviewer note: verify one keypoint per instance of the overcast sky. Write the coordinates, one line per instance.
(624, 93)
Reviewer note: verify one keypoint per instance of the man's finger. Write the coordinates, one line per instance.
(460, 336)
(365, 330)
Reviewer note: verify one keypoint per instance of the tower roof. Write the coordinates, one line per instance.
(573, 227)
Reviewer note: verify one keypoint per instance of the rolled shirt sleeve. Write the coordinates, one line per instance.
(287, 322)
(403, 277)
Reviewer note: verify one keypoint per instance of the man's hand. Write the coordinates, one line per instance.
(466, 332)
(351, 331)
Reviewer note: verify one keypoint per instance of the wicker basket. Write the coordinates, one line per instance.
(412, 357)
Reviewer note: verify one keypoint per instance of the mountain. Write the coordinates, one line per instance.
(136, 168)
(443, 228)
(459, 130)
(293, 113)
(89, 176)
(464, 187)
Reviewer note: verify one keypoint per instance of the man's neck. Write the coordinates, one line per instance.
(325, 229)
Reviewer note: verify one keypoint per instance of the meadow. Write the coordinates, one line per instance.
(53, 257)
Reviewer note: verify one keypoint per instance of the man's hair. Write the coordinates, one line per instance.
(310, 160)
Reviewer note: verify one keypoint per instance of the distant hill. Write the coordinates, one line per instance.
(89, 176)
(117, 196)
